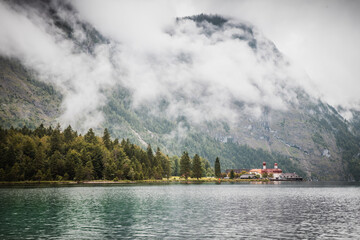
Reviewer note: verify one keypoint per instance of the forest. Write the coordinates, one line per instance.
(50, 154)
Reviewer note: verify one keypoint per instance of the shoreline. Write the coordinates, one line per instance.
(130, 182)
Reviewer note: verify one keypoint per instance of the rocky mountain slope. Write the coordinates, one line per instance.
(24, 99)
(290, 127)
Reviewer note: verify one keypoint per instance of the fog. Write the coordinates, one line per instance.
(201, 71)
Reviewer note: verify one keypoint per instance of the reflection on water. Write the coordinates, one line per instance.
(281, 211)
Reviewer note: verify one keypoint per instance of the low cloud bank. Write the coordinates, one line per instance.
(202, 71)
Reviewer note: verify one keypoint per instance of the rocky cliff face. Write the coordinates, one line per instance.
(201, 105)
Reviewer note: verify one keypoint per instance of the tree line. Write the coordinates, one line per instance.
(46, 154)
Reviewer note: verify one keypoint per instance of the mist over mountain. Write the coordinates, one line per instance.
(208, 84)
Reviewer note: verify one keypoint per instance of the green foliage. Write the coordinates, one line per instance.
(208, 171)
(69, 134)
(197, 168)
(46, 154)
(90, 137)
(185, 165)
(232, 174)
(106, 139)
(166, 166)
(318, 139)
(217, 168)
(175, 163)
(150, 155)
(56, 140)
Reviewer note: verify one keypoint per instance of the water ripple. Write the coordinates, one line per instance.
(295, 211)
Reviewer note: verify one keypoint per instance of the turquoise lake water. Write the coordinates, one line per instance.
(177, 211)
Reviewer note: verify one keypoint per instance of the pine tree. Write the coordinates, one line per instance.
(217, 168)
(158, 159)
(197, 168)
(89, 171)
(40, 157)
(65, 155)
(150, 155)
(166, 165)
(97, 162)
(40, 131)
(185, 165)
(72, 160)
(175, 165)
(106, 139)
(57, 164)
(90, 137)
(49, 131)
(10, 157)
(232, 174)
(68, 134)
(55, 140)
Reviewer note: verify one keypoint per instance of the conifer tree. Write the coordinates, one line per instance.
(57, 164)
(150, 155)
(72, 160)
(90, 137)
(106, 139)
(166, 165)
(185, 165)
(175, 165)
(97, 161)
(197, 168)
(68, 134)
(40, 131)
(89, 171)
(65, 155)
(232, 174)
(158, 160)
(40, 157)
(55, 140)
(217, 168)
(49, 131)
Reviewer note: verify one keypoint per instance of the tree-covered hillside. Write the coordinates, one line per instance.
(52, 154)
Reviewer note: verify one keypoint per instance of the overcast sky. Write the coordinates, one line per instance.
(322, 37)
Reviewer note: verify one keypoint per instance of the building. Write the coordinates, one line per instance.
(290, 177)
(276, 172)
(247, 176)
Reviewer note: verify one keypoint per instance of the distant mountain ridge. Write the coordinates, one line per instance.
(309, 137)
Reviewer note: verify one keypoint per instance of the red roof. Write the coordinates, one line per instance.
(269, 170)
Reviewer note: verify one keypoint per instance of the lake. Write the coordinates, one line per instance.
(178, 211)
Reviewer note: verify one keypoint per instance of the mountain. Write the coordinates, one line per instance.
(24, 99)
(281, 122)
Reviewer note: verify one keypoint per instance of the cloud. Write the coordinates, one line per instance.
(321, 37)
(201, 71)
(81, 77)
